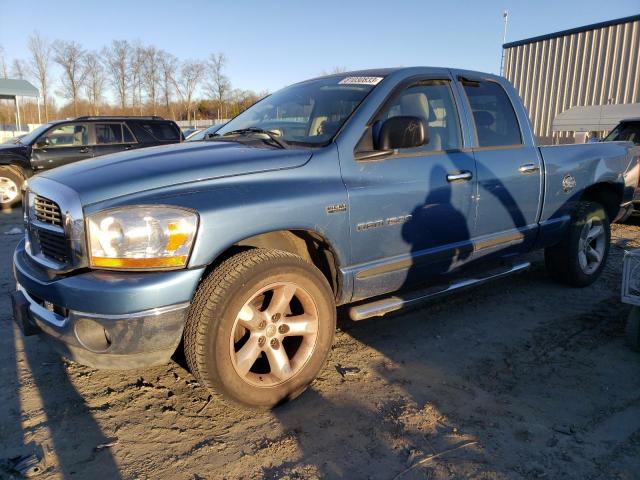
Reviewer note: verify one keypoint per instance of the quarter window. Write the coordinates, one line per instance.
(432, 101)
(162, 131)
(495, 120)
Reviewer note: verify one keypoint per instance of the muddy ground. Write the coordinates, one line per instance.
(530, 379)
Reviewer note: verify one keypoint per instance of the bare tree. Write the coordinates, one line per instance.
(19, 69)
(191, 75)
(136, 66)
(41, 50)
(168, 66)
(151, 75)
(95, 79)
(219, 84)
(117, 60)
(3, 64)
(70, 56)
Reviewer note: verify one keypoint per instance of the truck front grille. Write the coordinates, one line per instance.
(46, 230)
(47, 211)
(52, 245)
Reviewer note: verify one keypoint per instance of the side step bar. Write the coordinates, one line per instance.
(378, 308)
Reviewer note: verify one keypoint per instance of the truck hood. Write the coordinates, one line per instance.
(135, 171)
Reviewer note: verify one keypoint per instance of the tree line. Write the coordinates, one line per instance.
(123, 78)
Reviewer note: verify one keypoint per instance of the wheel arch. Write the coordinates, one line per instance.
(308, 244)
(16, 164)
(607, 194)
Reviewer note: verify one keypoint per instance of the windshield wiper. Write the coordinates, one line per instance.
(251, 130)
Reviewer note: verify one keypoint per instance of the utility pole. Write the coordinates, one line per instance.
(505, 16)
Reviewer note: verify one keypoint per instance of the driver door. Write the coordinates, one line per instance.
(412, 215)
(61, 145)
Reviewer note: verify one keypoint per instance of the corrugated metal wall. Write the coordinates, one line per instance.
(592, 67)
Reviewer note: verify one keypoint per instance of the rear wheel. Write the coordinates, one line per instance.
(260, 327)
(10, 187)
(579, 259)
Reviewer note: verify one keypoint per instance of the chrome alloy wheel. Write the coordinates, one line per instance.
(591, 247)
(274, 334)
(9, 190)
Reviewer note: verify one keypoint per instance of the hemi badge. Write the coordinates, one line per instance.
(339, 207)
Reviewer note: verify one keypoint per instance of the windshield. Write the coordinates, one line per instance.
(627, 131)
(200, 135)
(308, 113)
(31, 137)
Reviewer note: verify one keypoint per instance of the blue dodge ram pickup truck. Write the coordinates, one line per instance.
(376, 189)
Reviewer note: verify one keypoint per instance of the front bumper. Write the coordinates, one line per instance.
(112, 320)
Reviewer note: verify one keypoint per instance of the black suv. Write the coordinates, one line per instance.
(65, 141)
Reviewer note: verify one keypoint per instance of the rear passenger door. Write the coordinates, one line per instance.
(111, 137)
(508, 171)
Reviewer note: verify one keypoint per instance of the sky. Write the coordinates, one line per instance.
(272, 44)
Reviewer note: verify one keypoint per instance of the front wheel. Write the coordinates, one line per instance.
(10, 187)
(260, 327)
(579, 259)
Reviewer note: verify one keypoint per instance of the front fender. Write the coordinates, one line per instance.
(235, 208)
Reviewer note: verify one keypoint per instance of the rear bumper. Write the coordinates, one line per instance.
(108, 320)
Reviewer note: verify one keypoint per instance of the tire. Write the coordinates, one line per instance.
(633, 329)
(240, 310)
(580, 257)
(10, 187)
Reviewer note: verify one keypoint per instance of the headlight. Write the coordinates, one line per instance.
(141, 237)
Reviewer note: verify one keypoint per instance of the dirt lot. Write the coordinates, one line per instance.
(534, 374)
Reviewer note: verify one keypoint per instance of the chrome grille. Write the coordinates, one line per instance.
(47, 211)
(46, 230)
(54, 225)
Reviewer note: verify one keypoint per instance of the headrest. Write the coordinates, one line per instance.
(483, 118)
(416, 105)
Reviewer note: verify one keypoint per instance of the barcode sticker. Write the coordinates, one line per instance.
(360, 81)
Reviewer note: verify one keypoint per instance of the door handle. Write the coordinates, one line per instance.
(528, 168)
(84, 149)
(128, 147)
(463, 176)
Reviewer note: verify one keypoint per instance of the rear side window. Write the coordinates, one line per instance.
(628, 132)
(495, 120)
(162, 131)
(128, 136)
(107, 133)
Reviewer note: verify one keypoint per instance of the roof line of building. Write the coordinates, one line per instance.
(562, 33)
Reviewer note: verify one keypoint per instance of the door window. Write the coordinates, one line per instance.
(432, 101)
(71, 135)
(495, 120)
(108, 133)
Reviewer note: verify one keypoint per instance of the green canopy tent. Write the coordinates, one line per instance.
(14, 89)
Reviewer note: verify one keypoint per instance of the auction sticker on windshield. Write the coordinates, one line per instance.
(360, 81)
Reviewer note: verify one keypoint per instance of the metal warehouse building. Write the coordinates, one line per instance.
(596, 64)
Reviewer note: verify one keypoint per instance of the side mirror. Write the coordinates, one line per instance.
(402, 132)
(43, 142)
